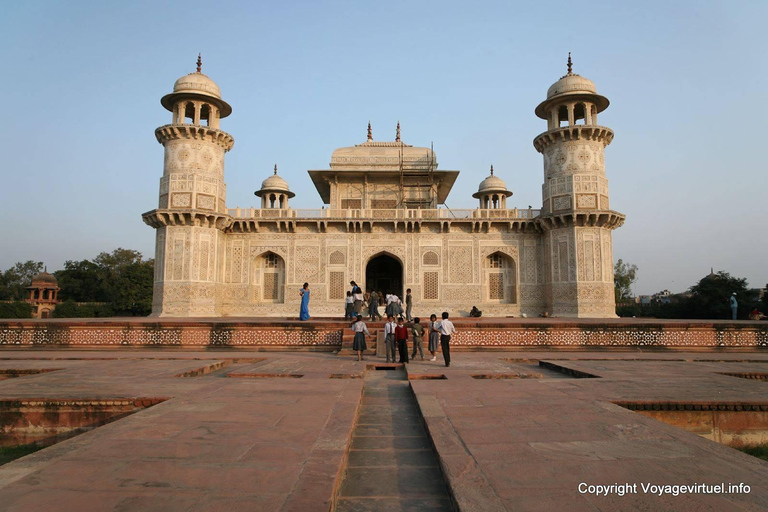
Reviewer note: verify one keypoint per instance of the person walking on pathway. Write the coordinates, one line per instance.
(401, 335)
(304, 310)
(434, 336)
(373, 306)
(408, 304)
(389, 337)
(349, 307)
(361, 331)
(734, 306)
(417, 330)
(446, 329)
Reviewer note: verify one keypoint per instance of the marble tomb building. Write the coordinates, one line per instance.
(384, 223)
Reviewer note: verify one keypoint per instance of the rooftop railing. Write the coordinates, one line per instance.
(389, 214)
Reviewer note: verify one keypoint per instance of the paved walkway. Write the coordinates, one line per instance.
(241, 438)
(391, 464)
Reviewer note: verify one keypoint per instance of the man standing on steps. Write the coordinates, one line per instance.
(389, 337)
(408, 304)
(734, 306)
(446, 329)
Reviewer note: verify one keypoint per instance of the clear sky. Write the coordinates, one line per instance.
(82, 83)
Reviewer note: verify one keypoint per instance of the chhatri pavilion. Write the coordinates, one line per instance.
(384, 223)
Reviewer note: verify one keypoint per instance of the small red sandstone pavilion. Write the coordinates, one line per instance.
(43, 294)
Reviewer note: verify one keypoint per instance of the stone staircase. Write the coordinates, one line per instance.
(376, 340)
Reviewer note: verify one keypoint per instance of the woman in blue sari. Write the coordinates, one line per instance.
(304, 311)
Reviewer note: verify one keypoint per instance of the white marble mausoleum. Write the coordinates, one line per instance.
(384, 223)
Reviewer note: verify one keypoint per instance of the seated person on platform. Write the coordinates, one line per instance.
(475, 313)
(756, 315)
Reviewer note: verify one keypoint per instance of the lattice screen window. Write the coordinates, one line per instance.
(352, 204)
(496, 286)
(271, 286)
(337, 258)
(383, 204)
(336, 290)
(271, 260)
(431, 286)
(430, 258)
(496, 260)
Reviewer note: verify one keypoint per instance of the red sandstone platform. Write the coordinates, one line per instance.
(238, 438)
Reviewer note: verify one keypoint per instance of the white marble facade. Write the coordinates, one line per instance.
(384, 225)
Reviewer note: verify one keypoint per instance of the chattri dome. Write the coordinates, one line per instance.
(571, 86)
(195, 85)
(492, 184)
(274, 184)
(45, 278)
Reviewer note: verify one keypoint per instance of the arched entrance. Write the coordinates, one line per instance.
(384, 274)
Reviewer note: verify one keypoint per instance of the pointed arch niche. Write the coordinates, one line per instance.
(500, 278)
(269, 278)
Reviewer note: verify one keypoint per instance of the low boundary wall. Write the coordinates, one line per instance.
(327, 335)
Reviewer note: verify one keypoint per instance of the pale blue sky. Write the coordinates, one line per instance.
(82, 83)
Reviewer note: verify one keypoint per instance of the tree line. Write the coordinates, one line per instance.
(114, 284)
(707, 299)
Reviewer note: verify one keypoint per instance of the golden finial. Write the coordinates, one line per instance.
(397, 136)
(199, 63)
(570, 64)
(491, 169)
(275, 169)
(370, 133)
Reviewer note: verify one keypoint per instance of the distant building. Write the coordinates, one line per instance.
(43, 295)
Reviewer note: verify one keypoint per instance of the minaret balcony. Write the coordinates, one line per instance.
(573, 133)
(169, 132)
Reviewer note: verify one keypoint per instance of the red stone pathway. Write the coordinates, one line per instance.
(227, 443)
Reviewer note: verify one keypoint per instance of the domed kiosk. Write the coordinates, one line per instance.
(43, 294)
(274, 192)
(492, 193)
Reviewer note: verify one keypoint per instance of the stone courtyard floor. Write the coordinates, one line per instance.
(248, 430)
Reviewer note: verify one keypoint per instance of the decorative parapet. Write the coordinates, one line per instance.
(161, 218)
(576, 132)
(191, 131)
(249, 220)
(384, 214)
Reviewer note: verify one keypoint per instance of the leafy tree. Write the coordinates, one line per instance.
(764, 300)
(709, 298)
(13, 282)
(624, 275)
(120, 278)
(81, 281)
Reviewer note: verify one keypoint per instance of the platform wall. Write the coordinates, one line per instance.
(328, 335)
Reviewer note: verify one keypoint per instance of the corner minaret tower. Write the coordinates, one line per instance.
(576, 216)
(192, 212)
